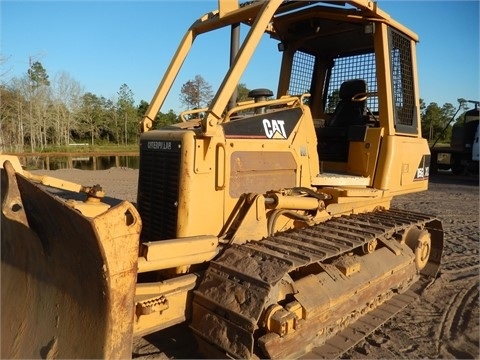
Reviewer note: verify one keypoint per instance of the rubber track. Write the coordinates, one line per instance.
(258, 265)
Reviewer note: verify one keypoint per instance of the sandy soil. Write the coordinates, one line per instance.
(443, 323)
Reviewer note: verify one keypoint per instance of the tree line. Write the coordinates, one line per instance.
(438, 121)
(39, 113)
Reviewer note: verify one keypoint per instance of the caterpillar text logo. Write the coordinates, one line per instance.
(159, 145)
(274, 129)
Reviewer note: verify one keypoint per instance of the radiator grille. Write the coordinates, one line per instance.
(158, 191)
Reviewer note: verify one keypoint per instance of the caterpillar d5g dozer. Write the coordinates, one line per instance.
(266, 224)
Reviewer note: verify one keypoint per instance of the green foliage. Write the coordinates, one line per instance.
(127, 115)
(242, 92)
(91, 116)
(165, 119)
(332, 101)
(101, 147)
(38, 75)
(437, 121)
(142, 108)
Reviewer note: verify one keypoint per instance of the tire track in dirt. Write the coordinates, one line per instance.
(460, 265)
(461, 252)
(456, 318)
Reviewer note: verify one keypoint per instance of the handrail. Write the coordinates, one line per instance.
(288, 100)
(190, 112)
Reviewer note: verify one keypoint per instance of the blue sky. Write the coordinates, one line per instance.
(103, 44)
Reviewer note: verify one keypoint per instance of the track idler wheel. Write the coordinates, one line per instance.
(370, 246)
(420, 242)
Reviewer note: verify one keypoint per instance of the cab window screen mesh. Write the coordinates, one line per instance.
(402, 82)
(349, 68)
(302, 72)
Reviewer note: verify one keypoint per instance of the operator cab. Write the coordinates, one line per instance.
(339, 63)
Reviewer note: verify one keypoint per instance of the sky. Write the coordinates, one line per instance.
(104, 44)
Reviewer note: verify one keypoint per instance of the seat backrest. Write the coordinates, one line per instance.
(349, 112)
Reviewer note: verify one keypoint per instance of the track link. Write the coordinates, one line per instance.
(236, 288)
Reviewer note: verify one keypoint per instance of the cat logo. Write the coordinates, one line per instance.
(274, 129)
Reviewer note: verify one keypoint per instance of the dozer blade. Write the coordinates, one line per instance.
(67, 281)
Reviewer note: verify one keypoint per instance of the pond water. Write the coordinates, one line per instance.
(80, 162)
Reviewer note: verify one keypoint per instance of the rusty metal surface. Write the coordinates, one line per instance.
(68, 281)
(239, 286)
(352, 335)
(260, 171)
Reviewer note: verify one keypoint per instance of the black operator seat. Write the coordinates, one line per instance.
(349, 112)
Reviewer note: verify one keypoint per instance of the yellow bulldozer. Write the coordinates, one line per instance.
(265, 225)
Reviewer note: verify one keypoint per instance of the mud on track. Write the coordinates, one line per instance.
(443, 323)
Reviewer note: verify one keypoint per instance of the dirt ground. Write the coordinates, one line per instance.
(443, 323)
